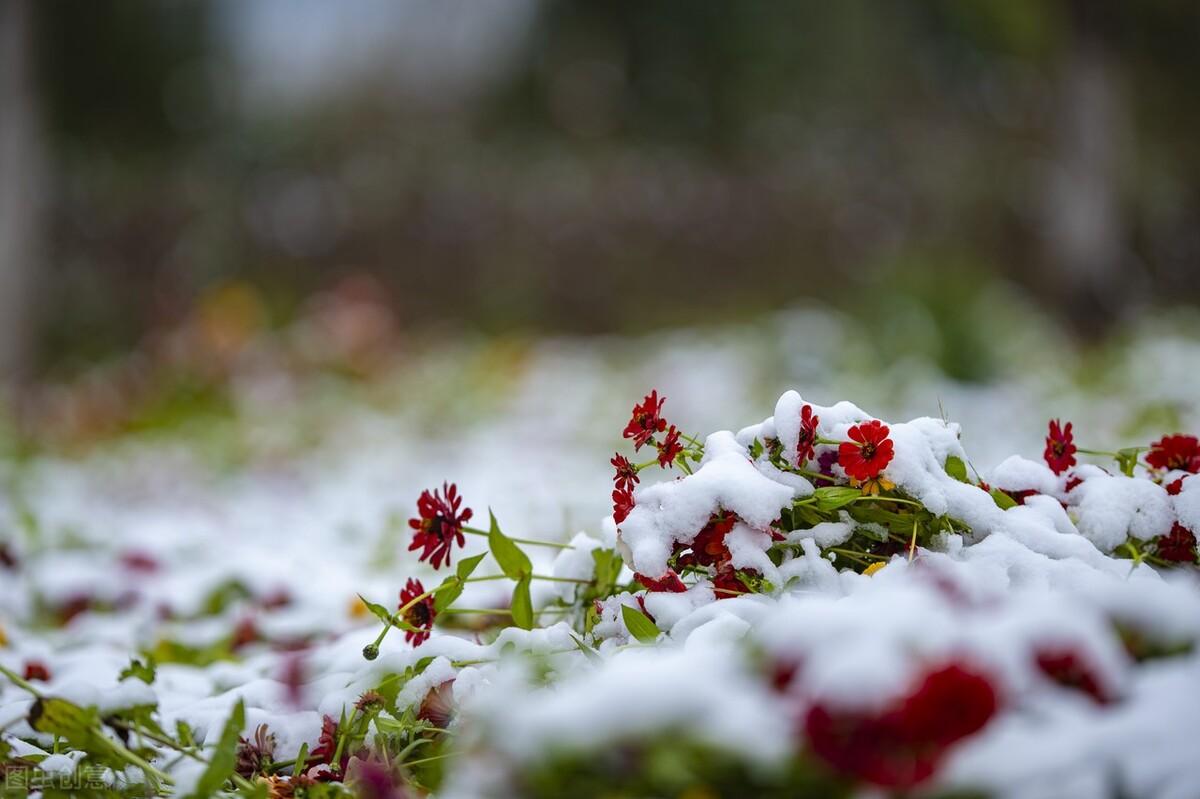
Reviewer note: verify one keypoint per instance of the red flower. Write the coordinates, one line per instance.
(622, 504)
(1070, 670)
(1073, 482)
(806, 441)
(1060, 447)
(438, 705)
(440, 524)
(326, 746)
(1178, 546)
(646, 420)
(1175, 452)
(669, 448)
(36, 670)
(904, 744)
(868, 451)
(1175, 486)
(626, 476)
(708, 547)
(669, 582)
(727, 584)
(420, 615)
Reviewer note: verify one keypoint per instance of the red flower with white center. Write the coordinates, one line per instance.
(669, 448)
(868, 451)
(626, 476)
(1070, 669)
(439, 525)
(903, 744)
(622, 504)
(1060, 447)
(1178, 546)
(646, 421)
(419, 615)
(669, 582)
(1175, 452)
(36, 670)
(806, 441)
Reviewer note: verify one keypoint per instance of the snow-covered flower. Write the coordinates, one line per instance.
(1178, 546)
(669, 582)
(419, 614)
(622, 504)
(1060, 447)
(646, 420)
(439, 525)
(36, 670)
(1175, 452)
(868, 452)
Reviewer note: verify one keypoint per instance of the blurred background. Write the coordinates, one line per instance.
(192, 191)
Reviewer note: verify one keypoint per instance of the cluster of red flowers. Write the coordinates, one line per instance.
(439, 524)
(806, 440)
(420, 614)
(708, 549)
(645, 424)
(1177, 546)
(902, 745)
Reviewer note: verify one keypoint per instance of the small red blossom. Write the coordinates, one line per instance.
(806, 441)
(1060, 447)
(868, 452)
(708, 547)
(622, 505)
(904, 744)
(254, 755)
(326, 746)
(669, 448)
(727, 584)
(439, 525)
(626, 476)
(36, 670)
(1175, 452)
(1175, 486)
(420, 614)
(1073, 482)
(1070, 669)
(1178, 546)
(646, 420)
(139, 562)
(668, 582)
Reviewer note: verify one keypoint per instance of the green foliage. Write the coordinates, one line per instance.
(639, 624)
(144, 671)
(522, 605)
(224, 757)
(956, 468)
(512, 561)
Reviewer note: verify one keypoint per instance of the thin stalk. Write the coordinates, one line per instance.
(530, 541)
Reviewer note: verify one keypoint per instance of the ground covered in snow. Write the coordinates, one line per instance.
(1036, 646)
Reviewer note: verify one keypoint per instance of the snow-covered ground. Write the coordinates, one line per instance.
(146, 545)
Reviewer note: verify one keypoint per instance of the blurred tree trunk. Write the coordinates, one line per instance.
(22, 174)
(1086, 236)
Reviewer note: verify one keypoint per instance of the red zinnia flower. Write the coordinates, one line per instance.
(904, 744)
(622, 504)
(626, 475)
(1175, 452)
(36, 670)
(1060, 447)
(807, 439)
(326, 746)
(669, 448)
(868, 451)
(646, 420)
(1178, 546)
(669, 582)
(708, 547)
(1070, 670)
(1175, 486)
(726, 583)
(440, 524)
(419, 615)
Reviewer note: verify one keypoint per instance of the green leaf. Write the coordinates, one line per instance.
(522, 605)
(450, 590)
(587, 651)
(466, 567)
(608, 568)
(143, 671)
(756, 449)
(67, 720)
(956, 468)
(513, 562)
(639, 624)
(223, 759)
(1127, 459)
(381, 613)
(1003, 501)
(831, 498)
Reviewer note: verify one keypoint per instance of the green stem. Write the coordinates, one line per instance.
(429, 759)
(530, 541)
(488, 611)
